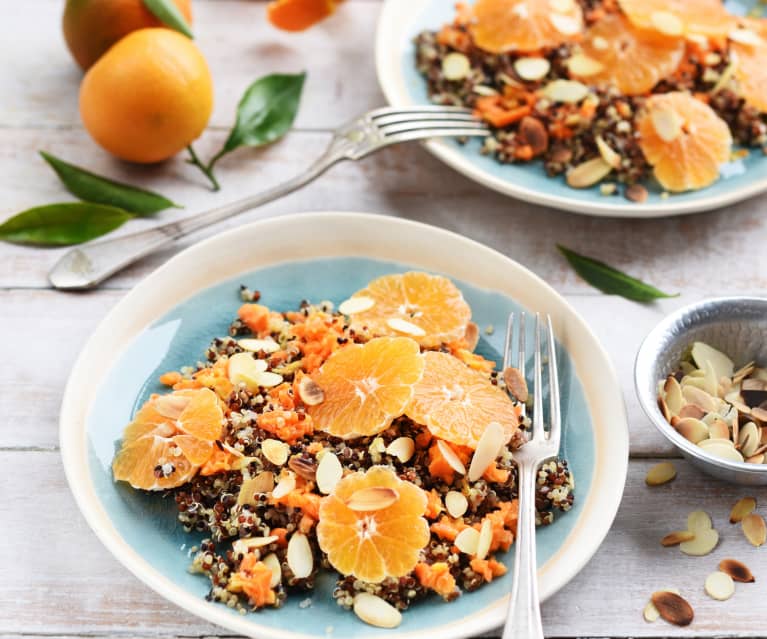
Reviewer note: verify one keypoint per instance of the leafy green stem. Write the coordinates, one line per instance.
(206, 169)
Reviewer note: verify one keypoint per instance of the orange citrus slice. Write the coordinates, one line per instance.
(153, 462)
(684, 140)
(500, 26)
(202, 417)
(428, 308)
(679, 17)
(384, 541)
(457, 403)
(366, 386)
(632, 59)
(749, 59)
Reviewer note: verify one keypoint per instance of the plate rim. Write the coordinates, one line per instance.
(74, 442)
(393, 21)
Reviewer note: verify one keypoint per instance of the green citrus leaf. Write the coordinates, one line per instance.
(62, 224)
(100, 190)
(167, 12)
(610, 280)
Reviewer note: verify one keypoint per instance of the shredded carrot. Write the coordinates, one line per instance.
(255, 317)
(215, 377)
(314, 447)
(254, 578)
(524, 153)
(493, 109)
(436, 577)
(447, 528)
(282, 536)
(287, 425)
(454, 38)
(220, 461)
(560, 130)
(170, 378)
(423, 439)
(283, 395)
(496, 475)
(307, 503)
(317, 338)
(488, 568)
(306, 524)
(588, 110)
(439, 466)
(475, 361)
(503, 522)
(433, 505)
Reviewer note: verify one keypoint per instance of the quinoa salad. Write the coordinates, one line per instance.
(615, 93)
(368, 440)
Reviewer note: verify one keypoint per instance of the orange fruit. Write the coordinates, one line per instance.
(152, 463)
(92, 26)
(297, 15)
(373, 544)
(148, 97)
(680, 17)
(750, 69)
(684, 140)
(202, 417)
(431, 304)
(632, 59)
(457, 403)
(366, 386)
(525, 25)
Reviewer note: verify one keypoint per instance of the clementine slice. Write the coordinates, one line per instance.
(680, 17)
(750, 69)
(457, 403)
(153, 462)
(684, 140)
(366, 386)
(500, 26)
(428, 308)
(202, 417)
(632, 59)
(384, 541)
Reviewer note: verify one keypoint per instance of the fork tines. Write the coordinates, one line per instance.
(447, 120)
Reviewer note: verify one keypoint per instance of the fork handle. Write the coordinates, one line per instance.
(87, 266)
(524, 615)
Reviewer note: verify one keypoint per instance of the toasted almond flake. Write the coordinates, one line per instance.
(532, 69)
(268, 379)
(275, 451)
(515, 383)
(748, 439)
(584, 66)
(744, 506)
(743, 372)
(300, 558)
(356, 304)
(489, 446)
(455, 66)
(608, 155)
(310, 392)
(403, 326)
(451, 458)
(402, 448)
(650, 612)
(246, 544)
(673, 608)
(699, 397)
(721, 448)
(273, 564)
(756, 459)
(287, 484)
(719, 586)
(267, 345)
(329, 472)
(467, 541)
(718, 429)
(703, 543)
(373, 498)
(588, 173)
(485, 539)
(759, 414)
(245, 369)
(699, 520)
(754, 529)
(375, 611)
(261, 484)
(721, 364)
(570, 91)
(737, 570)
(677, 537)
(666, 411)
(692, 429)
(600, 43)
(745, 36)
(471, 335)
(660, 474)
(667, 22)
(692, 410)
(456, 504)
(566, 25)
(667, 123)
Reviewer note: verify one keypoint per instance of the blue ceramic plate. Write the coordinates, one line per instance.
(169, 319)
(402, 20)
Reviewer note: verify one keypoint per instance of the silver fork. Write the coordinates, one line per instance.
(87, 266)
(523, 619)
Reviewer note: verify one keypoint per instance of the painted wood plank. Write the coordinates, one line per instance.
(70, 585)
(710, 253)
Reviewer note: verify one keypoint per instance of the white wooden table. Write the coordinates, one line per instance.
(55, 577)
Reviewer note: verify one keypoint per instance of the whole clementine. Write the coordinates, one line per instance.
(148, 97)
(92, 26)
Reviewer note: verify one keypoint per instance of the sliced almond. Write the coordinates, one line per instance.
(489, 446)
(329, 472)
(299, 556)
(723, 449)
(650, 612)
(719, 586)
(375, 611)
(692, 429)
(744, 506)
(588, 173)
(516, 383)
(402, 448)
(275, 451)
(737, 570)
(532, 69)
(699, 397)
(608, 155)
(703, 543)
(743, 372)
(569, 91)
(745, 36)
(722, 365)
(467, 541)
(451, 458)
(677, 537)
(748, 439)
(247, 544)
(471, 336)
(244, 369)
(273, 563)
(756, 459)
(754, 529)
(403, 326)
(667, 123)
(673, 608)
(565, 24)
(456, 504)
(485, 539)
(699, 520)
(171, 406)
(373, 498)
(719, 442)
(310, 392)
(357, 304)
(600, 43)
(660, 474)
(267, 345)
(584, 66)
(287, 484)
(261, 484)
(455, 66)
(718, 429)
(691, 410)
(268, 379)
(667, 23)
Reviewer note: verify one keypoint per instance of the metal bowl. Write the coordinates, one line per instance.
(735, 325)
